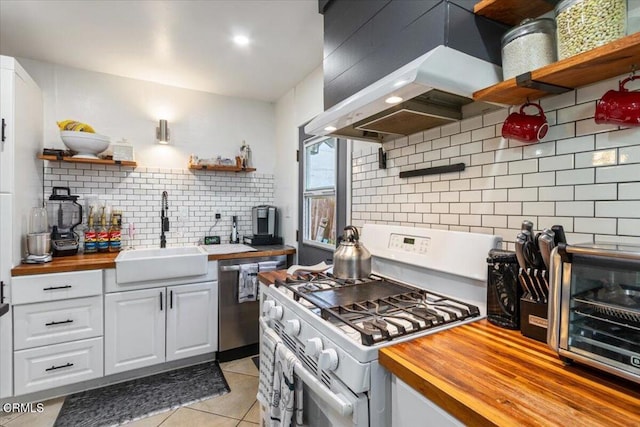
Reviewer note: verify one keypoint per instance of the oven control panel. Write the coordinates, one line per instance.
(413, 244)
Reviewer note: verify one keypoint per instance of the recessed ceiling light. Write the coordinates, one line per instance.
(330, 128)
(393, 100)
(241, 40)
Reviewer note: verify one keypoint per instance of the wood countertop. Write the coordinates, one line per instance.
(270, 277)
(485, 375)
(107, 260)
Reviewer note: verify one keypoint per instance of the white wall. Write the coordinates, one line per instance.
(583, 176)
(293, 109)
(201, 123)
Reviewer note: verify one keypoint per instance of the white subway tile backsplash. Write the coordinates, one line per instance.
(541, 179)
(596, 90)
(575, 176)
(619, 138)
(541, 149)
(482, 158)
(566, 130)
(495, 117)
(471, 123)
(555, 193)
(596, 192)
(495, 169)
(523, 194)
(576, 112)
(508, 181)
(483, 133)
(494, 195)
(629, 154)
(575, 209)
(595, 225)
(596, 158)
(450, 129)
(628, 227)
(538, 208)
(629, 191)
(472, 148)
(580, 173)
(620, 173)
(589, 126)
(523, 166)
(618, 209)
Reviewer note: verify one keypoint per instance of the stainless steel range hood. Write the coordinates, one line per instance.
(430, 91)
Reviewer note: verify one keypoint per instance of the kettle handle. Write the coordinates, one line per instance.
(354, 232)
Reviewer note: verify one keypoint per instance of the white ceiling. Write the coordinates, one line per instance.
(184, 43)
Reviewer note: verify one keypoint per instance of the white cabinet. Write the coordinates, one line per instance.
(134, 329)
(151, 326)
(192, 320)
(57, 329)
(407, 406)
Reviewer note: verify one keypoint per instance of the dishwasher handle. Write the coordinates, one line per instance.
(230, 268)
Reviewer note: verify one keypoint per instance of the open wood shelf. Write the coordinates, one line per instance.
(601, 63)
(511, 12)
(220, 168)
(93, 161)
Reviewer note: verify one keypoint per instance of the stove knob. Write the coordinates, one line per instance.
(292, 327)
(313, 347)
(328, 360)
(267, 306)
(276, 312)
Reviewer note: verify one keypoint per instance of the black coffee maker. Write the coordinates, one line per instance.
(64, 214)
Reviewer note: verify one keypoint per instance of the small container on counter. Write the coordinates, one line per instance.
(529, 46)
(586, 24)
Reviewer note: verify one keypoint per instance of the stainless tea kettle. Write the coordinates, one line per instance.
(351, 260)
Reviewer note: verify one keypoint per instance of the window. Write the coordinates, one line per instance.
(319, 194)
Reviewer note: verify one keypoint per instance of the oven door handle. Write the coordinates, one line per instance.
(335, 400)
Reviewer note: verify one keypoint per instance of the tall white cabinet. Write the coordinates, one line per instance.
(20, 185)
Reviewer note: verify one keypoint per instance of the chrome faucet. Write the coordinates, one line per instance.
(164, 220)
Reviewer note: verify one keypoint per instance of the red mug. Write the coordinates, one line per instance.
(619, 107)
(524, 127)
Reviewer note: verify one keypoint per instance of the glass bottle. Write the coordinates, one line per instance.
(90, 237)
(115, 233)
(103, 233)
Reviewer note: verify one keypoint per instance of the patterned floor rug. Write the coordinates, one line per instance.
(132, 400)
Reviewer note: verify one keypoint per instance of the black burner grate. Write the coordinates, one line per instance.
(378, 309)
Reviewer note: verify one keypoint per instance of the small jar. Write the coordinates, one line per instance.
(586, 24)
(529, 46)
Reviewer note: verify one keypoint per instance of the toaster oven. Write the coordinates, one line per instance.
(594, 307)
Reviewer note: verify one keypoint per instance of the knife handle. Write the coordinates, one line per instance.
(546, 245)
(527, 225)
(559, 235)
(520, 254)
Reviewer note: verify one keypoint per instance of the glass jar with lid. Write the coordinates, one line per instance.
(587, 24)
(529, 46)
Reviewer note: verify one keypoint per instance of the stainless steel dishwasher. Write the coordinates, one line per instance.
(238, 322)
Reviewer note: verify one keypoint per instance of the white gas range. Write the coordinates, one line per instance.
(423, 281)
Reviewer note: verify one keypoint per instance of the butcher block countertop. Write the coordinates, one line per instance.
(107, 260)
(485, 375)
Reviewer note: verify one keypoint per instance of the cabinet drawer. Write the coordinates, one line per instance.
(56, 322)
(57, 365)
(50, 287)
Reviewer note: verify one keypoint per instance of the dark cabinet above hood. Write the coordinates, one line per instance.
(455, 56)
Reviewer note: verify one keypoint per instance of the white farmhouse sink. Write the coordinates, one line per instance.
(227, 248)
(143, 265)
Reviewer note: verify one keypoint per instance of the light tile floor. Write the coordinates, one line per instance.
(236, 408)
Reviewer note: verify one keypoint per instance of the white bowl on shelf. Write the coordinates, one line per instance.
(87, 144)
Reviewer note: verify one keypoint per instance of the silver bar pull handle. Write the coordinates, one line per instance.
(230, 268)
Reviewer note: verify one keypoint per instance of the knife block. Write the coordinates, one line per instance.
(534, 319)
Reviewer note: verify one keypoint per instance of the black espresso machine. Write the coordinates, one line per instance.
(264, 222)
(64, 214)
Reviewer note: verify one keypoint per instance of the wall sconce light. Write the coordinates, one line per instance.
(162, 132)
